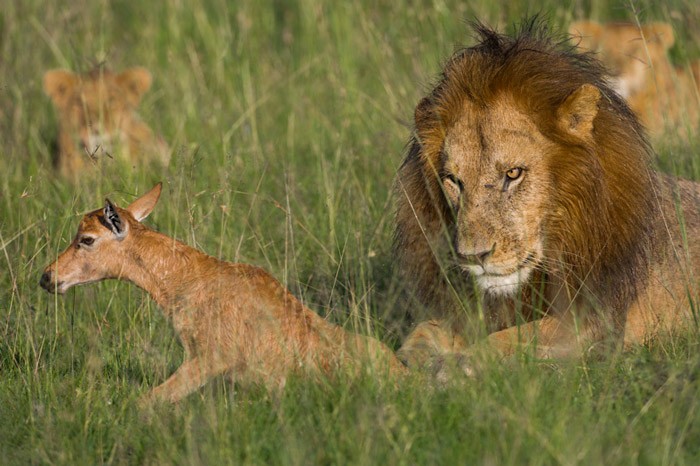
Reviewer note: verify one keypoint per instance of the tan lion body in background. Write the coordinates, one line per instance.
(530, 178)
(97, 118)
(665, 96)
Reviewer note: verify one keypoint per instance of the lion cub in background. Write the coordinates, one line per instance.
(665, 96)
(97, 118)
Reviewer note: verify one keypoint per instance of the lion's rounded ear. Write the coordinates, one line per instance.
(58, 84)
(136, 82)
(575, 116)
(586, 34)
(659, 33)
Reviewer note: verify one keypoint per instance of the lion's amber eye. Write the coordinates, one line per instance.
(454, 180)
(514, 173)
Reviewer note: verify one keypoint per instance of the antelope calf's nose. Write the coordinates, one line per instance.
(45, 281)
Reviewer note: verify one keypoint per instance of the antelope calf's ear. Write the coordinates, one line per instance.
(112, 219)
(144, 205)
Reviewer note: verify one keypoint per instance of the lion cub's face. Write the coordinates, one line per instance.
(495, 178)
(97, 109)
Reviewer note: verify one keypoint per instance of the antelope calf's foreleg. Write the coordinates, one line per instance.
(191, 375)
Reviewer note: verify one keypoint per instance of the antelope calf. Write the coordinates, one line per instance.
(232, 319)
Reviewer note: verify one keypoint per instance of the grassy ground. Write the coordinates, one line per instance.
(289, 120)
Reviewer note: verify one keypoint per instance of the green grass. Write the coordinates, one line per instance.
(289, 120)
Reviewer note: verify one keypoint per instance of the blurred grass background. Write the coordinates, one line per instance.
(288, 120)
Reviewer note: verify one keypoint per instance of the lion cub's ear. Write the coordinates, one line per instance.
(135, 81)
(659, 33)
(59, 84)
(575, 116)
(586, 34)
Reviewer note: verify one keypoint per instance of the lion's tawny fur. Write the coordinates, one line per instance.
(233, 319)
(586, 242)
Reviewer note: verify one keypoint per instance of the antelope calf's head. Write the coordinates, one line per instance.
(100, 249)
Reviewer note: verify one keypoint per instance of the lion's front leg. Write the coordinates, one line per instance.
(560, 337)
(434, 347)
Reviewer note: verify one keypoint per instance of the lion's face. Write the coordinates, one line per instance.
(494, 177)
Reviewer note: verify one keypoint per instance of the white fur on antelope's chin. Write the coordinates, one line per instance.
(499, 285)
(64, 286)
(60, 288)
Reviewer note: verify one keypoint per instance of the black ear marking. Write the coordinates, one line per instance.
(112, 220)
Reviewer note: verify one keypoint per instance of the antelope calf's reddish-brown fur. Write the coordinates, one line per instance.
(232, 319)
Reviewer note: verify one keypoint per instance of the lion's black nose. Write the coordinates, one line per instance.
(45, 281)
(476, 256)
(482, 255)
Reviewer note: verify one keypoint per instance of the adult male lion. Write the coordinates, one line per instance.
(530, 178)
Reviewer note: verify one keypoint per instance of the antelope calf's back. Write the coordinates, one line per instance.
(233, 319)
